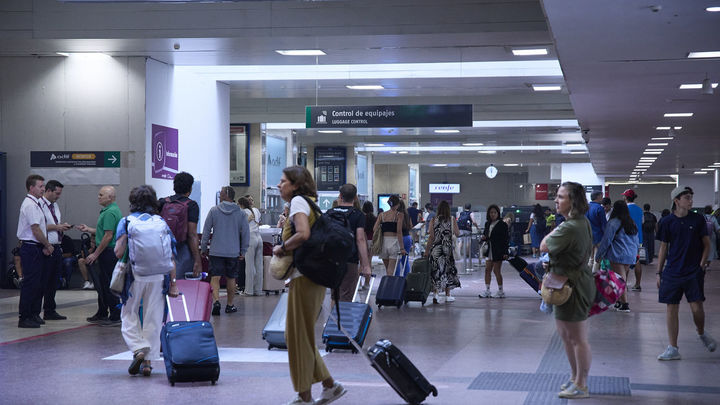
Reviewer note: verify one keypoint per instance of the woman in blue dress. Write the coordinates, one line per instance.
(537, 228)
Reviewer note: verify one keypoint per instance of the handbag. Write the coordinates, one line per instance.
(555, 289)
(610, 287)
(527, 239)
(117, 282)
(281, 266)
(377, 242)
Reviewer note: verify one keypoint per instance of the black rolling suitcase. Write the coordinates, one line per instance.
(417, 284)
(189, 349)
(355, 318)
(526, 273)
(400, 372)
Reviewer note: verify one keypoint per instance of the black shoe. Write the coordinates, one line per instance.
(216, 308)
(97, 319)
(53, 316)
(28, 323)
(110, 322)
(624, 307)
(38, 320)
(230, 309)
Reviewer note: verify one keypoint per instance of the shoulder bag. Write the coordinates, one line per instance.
(556, 289)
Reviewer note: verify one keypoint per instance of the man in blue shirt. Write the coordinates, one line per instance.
(598, 220)
(636, 213)
(684, 247)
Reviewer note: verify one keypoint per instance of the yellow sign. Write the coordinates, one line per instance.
(83, 156)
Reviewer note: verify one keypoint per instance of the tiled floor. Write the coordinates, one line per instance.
(500, 351)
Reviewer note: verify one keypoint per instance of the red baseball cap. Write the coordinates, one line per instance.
(630, 193)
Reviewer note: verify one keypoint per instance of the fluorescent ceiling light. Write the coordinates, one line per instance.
(712, 9)
(578, 152)
(394, 152)
(663, 138)
(457, 148)
(330, 131)
(285, 125)
(706, 54)
(651, 153)
(658, 144)
(707, 169)
(63, 53)
(530, 52)
(654, 150)
(695, 86)
(548, 68)
(447, 131)
(546, 87)
(487, 152)
(574, 144)
(439, 164)
(699, 172)
(374, 144)
(473, 144)
(667, 128)
(365, 87)
(403, 152)
(525, 123)
(671, 115)
(511, 164)
(640, 170)
(301, 52)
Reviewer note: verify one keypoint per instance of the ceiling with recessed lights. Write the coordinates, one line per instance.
(621, 68)
(625, 64)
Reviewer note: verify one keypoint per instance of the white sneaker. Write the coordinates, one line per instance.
(485, 294)
(500, 294)
(88, 286)
(331, 394)
(671, 353)
(299, 401)
(449, 298)
(708, 341)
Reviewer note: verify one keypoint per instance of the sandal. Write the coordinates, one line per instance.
(138, 358)
(146, 369)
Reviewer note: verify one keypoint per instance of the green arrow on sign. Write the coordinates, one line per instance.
(112, 159)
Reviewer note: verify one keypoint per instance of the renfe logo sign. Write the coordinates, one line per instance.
(445, 188)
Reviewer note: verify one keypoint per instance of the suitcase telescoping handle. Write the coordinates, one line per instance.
(170, 314)
(369, 293)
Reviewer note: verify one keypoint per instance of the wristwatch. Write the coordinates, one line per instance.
(173, 281)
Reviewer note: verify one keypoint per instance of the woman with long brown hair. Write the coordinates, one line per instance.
(304, 297)
(390, 223)
(439, 251)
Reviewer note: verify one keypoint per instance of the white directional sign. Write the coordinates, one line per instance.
(445, 188)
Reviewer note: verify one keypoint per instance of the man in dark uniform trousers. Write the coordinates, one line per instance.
(34, 250)
(54, 262)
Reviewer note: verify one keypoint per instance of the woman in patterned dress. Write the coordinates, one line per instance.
(439, 251)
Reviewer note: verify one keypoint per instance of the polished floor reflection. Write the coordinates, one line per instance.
(502, 351)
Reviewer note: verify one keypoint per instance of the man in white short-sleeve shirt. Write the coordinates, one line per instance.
(54, 262)
(34, 249)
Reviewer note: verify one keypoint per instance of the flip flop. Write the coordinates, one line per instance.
(146, 369)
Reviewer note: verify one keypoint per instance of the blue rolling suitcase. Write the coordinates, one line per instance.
(355, 318)
(526, 273)
(189, 349)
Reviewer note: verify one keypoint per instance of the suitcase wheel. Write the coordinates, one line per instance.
(354, 351)
(399, 304)
(327, 349)
(214, 381)
(406, 301)
(269, 347)
(434, 390)
(267, 293)
(424, 301)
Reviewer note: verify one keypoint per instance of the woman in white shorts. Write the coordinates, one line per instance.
(390, 224)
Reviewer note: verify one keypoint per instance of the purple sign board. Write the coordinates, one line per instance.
(164, 152)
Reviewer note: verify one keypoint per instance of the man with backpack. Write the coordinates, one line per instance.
(356, 221)
(182, 216)
(230, 240)
(649, 228)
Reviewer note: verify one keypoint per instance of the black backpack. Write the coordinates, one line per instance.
(323, 257)
(465, 222)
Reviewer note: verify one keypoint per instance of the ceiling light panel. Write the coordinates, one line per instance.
(677, 115)
(695, 86)
(658, 144)
(300, 52)
(546, 87)
(365, 87)
(447, 131)
(667, 128)
(663, 138)
(705, 54)
(699, 172)
(530, 52)
(712, 9)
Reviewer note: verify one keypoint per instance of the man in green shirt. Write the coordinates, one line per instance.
(108, 314)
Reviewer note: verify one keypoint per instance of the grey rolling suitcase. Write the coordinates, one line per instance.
(274, 330)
